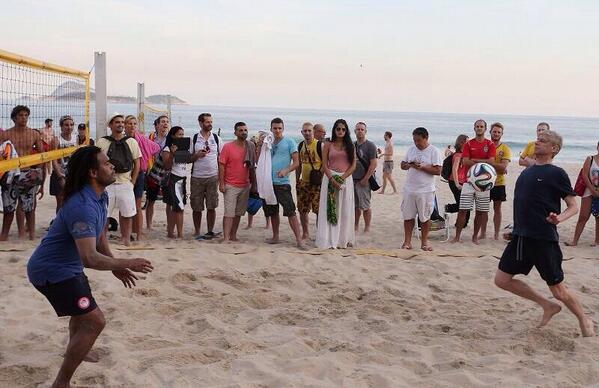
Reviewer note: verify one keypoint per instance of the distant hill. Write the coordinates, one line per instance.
(74, 90)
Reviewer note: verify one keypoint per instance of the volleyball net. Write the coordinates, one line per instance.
(147, 116)
(49, 91)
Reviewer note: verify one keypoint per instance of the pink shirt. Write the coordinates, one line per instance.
(338, 160)
(231, 158)
(148, 149)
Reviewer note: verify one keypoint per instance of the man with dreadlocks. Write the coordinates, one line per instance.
(77, 239)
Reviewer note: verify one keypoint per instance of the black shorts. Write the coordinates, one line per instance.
(70, 297)
(284, 198)
(56, 185)
(498, 194)
(523, 253)
(140, 183)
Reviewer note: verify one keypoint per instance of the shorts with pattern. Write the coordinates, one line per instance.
(308, 197)
(388, 166)
(284, 198)
(174, 192)
(469, 197)
(204, 193)
(20, 191)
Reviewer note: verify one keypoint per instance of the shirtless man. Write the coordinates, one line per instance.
(21, 192)
(388, 164)
(534, 241)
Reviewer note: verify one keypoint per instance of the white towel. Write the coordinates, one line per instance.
(12, 153)
(264, 172)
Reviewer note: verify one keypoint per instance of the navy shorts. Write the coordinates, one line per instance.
(523, 253)
(70, 297)
(140, 183)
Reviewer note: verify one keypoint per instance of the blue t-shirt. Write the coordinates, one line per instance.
(56, 258)
(281, 158)
(539, 191)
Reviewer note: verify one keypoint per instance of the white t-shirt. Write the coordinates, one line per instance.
(419, 181)
(207, 166)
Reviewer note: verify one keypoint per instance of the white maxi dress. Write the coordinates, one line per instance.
(343, 234)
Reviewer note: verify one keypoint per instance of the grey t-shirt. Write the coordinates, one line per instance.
(365, 151)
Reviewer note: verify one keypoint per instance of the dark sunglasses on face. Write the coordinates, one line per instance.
(340, 129)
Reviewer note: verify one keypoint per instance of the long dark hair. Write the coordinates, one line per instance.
(81, 162)
(169, 138)
(348, 144)
(458, 140)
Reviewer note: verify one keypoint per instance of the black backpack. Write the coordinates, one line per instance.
(120, 154)
(447, 167)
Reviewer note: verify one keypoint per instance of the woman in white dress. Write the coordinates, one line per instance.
(336, 212)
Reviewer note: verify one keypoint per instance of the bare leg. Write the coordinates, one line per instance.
(424, 228)
(296, 228)
(170, 222)
(583, 217)
(392, 183)
(459, 225)
(235, 227)
(197, 222)
(305, 225)
(275, 221)
(507, 282)
(6, 223)
(480, 219)
(497, 218)
(126, 223)
(267, 222)
(561, 293)
(408, 226)
(227, 228)
(149, 214)
(21, 227)
(385, 177)
(30, 218)
(138, 220)
(596, 231)
(178, 220)
(87, 328)
(367, 219)
(210, 219)
(250, 221)
(357, 217)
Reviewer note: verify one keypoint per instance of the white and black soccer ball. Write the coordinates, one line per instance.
(482, 176)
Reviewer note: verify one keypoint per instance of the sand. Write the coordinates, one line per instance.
(255, 315)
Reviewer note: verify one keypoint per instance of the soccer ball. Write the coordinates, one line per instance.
(482, 176)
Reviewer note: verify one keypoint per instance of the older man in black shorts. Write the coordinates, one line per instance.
(534, 240)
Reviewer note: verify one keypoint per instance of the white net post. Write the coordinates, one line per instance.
(141, 106)
(101, 95)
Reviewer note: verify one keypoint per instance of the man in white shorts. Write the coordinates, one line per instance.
(422, 161)
(124, 154)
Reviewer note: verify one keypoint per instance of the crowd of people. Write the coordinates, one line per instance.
(335, 178)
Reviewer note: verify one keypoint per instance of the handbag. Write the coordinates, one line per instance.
(580, 186)
(315, 177)
(372, 182)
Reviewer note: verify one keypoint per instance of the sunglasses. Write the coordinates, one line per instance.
(340, 129)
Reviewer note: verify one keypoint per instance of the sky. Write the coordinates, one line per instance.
(520, 57)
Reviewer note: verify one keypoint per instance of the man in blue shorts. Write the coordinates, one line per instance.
(77, 239)
(534, 240)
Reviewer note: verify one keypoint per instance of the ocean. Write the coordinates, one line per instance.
(580, 134)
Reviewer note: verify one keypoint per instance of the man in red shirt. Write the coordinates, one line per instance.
(237, 177)
(476, 150)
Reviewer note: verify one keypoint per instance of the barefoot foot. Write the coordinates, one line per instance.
(548, 313)
(588, 328)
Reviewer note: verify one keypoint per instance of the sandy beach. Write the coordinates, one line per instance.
(254, 315)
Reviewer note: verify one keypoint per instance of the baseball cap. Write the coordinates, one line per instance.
(112, 117)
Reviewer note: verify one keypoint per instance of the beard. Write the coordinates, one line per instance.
(243, 136)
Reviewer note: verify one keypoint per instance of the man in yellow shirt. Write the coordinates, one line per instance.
(308, 192)
(503, 157)
(527, 156)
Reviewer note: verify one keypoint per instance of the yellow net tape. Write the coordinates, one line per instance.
(49, 91)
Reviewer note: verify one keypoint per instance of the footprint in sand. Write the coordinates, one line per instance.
(23, 375)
